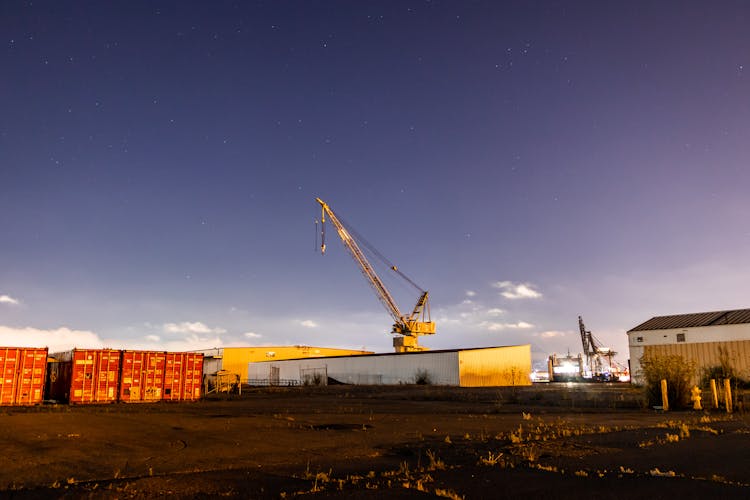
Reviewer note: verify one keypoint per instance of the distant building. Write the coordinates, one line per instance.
(234, 360)
(706, 339)
(479, 367)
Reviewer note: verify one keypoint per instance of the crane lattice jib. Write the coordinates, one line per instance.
(589, 347)
(364, 265)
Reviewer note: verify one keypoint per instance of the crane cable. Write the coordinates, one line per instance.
(375, 252)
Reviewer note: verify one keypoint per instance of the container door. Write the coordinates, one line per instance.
(9, 380)
(107, 376)
(31, 376)
(190, 381)
(130, 384)
(173, 376)
(153, 376)
(84, 367)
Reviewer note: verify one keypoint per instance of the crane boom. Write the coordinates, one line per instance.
(364, 265)
(408, 326)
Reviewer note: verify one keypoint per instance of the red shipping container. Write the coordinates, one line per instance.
(23, 375)
(94, 375)
(183, 376)
(142, 378)
(193, 376)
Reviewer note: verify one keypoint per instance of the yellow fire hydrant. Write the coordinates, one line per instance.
(695, 397)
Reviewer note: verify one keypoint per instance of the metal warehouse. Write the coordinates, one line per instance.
(489, 366)
(234, 360)
(706, 339)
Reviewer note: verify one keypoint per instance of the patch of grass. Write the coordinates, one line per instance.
(671, 438)
(491, 458)
(422, 377)
(676, 370)
(435, 462)
(448, 494)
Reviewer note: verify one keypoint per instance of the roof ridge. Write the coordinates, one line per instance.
(688, 320)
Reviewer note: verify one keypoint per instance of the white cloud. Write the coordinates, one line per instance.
(252, 335)
(153, 338)
(58, 339)
(308, 323)
(513, 291)
(191, 327)
(495, 312)
(7, 299)
(551, 334)
(494, 326)
(470, 293)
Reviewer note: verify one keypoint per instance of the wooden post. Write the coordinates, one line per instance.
(664, 399)
(728, 395)
(714, 393)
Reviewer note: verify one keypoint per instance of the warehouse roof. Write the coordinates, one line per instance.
(735, 317)
(412, 353)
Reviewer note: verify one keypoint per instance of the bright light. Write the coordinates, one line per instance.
(566, 368)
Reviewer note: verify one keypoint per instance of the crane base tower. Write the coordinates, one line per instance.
(407, 344)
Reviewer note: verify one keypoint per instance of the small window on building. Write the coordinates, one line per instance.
(639, 339)
(680, 337)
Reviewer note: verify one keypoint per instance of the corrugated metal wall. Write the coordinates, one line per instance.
(441, 368)
(708, 354)
(499, 366)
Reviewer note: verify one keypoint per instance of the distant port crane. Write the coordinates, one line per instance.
(594, 353)
(409, 327)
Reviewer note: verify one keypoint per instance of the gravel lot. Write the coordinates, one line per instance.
(552, 440)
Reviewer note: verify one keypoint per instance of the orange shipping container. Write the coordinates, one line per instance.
(142, 378)
(183, 376)
(23, 371)
(94, 375)
(193, 376)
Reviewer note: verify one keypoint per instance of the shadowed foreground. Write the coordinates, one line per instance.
(376, 442)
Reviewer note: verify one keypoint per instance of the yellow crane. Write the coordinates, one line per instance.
(407, 327)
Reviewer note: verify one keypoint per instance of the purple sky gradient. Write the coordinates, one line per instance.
(159, 163)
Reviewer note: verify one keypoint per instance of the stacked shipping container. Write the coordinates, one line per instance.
(23, 375)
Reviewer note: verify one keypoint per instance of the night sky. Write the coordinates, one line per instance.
(526, 162)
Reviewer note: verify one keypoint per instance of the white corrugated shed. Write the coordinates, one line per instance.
(494, 366)
(707, 339)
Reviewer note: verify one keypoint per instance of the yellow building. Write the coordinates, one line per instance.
(502, 366)
(234, 360)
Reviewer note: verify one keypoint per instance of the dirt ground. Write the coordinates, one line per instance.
(555, 441)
